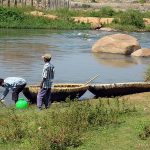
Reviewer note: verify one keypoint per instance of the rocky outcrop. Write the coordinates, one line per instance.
(143, 52)
(41, 14)
(95, 22)
(117, 43)
(146, 21)
(107, 29)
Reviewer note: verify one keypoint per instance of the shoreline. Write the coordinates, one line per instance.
(74, 20)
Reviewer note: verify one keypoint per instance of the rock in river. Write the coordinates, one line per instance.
(143, 52)
(117, 43)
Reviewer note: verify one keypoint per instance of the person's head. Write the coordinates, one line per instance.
(47, 57)
(1, 81)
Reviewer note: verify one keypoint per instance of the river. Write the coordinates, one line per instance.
(21, 51)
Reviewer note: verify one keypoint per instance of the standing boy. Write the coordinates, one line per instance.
(46, 83)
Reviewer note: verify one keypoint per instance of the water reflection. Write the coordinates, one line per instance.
(142, 60)
(114, 60)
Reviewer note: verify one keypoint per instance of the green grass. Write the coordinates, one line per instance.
(121, 137)
(112, 124)
(18, 18)
(124, 136)
(142, 1)
(62, 126)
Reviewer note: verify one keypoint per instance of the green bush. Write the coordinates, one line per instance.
(107, 12)
(132, 17)
(13, 14)
(16, 18)
(142, 1)
(103, 12)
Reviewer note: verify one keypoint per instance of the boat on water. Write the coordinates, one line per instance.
(119, 89)
(59, 92)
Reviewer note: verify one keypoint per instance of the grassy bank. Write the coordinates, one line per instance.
(97, 124)
(60, 127)
(17, 18)
(129, 135)
(129, 20)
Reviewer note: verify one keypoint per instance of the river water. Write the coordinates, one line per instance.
(21, 51)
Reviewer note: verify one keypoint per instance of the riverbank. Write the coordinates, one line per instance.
(115, 123)
(65, 19)
(19, 19)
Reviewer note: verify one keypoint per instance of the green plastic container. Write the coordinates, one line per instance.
(22, 104)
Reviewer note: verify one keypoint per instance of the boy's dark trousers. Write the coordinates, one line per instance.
(16, 91)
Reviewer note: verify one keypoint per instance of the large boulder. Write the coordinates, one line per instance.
(143, 52)
(117, 43)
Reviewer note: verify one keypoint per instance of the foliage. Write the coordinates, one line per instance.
(146, 133)
(103, 12)
(64, 12)
(146, 14)
(142, 1)
(107, 12)
(131, 17)
(147, 28)
(16, 18)
(93, 1)
(130, 20)
(147, 74)
(10, 14)
(61, 126)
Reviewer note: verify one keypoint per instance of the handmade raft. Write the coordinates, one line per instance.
(59, 92)
(119, 89)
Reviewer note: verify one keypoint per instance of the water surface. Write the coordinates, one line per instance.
(21, 51)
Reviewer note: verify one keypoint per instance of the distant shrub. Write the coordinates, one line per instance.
(93, 1)
(142, 1)
(132, 17)
(107, 12)
(10, 14)
(103, 12)
(16, 18)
